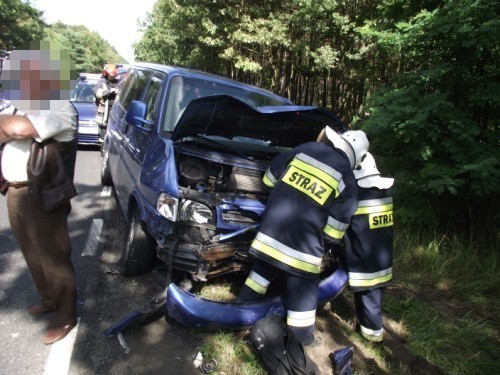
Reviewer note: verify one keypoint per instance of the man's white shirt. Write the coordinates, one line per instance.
(60, 124)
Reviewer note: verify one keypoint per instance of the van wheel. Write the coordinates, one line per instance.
(106, 179)
(139, 253)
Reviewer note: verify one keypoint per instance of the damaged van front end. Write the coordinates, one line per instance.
(220, 161)
(186, 152)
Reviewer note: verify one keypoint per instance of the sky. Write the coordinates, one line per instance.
(115, 21)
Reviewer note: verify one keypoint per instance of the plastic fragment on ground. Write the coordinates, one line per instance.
(341, 360)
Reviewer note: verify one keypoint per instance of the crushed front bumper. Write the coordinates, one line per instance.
(192, 311)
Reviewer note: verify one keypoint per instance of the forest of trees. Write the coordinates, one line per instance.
(420, 77)
(88, 50)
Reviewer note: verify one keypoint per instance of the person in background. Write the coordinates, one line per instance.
(313, 198)
(369, 248)
(37, 82)
(105, 92)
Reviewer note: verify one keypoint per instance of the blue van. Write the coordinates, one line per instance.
(186, 152)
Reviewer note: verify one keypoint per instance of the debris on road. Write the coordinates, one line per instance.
(208, 367)
(198, 360)
(341, 360)
(123, 343)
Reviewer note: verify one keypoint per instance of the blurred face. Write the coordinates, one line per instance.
(36, 83)
(36, 80)
(111, 77)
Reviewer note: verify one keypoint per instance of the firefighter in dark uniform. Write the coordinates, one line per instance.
(368, 248)
(313, 198)
(105, 92)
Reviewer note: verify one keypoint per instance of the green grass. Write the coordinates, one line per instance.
(450, 312)
(218, 290)
(459, 345)
(234, 355)
(469, 271)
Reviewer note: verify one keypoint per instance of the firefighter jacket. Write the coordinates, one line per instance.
(102, 93)
(369, 239)
(313, 198)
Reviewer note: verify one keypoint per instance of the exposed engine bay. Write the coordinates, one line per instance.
(221, 200)
(223, 147)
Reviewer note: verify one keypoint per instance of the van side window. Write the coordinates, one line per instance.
(151, 98)
(134, 86)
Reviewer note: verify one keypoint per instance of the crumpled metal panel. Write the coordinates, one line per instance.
(196, 312)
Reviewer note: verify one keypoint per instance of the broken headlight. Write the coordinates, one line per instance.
(167, 206)
(195, 211)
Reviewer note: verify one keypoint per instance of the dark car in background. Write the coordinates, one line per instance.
(84, 101)
(186, 152)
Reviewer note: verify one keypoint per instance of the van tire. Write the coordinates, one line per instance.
(106, 179)
(139, 252)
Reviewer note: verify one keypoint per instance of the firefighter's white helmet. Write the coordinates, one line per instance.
(359, 143)
(353, 142)
(367, 168)
(340, 143)
(368, 175)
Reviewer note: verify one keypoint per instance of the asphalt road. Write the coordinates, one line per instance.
(97, 230)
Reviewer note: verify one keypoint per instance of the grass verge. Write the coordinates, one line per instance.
(446, 296)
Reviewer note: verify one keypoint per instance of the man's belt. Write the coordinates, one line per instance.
(17, 184)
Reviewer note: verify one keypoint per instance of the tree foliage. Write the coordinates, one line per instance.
(437, 122)
(89, 51)
(307, 50)
(20, 23)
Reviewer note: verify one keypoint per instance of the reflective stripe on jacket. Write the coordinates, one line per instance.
(313, 198)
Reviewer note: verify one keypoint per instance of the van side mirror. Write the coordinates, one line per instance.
(136, 115)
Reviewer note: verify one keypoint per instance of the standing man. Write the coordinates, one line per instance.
(105, 93)
(37, 80)
(313, 198)
(368, 250)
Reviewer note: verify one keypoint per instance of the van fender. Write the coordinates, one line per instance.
(193, 311)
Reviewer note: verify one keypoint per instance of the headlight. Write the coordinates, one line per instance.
(197, 212)
(167, 206)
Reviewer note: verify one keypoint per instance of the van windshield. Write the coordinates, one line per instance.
(182, 90)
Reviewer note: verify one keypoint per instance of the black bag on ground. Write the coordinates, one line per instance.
(279, 349)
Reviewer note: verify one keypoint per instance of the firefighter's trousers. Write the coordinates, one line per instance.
(301, 297)
(368, 305)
